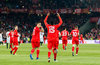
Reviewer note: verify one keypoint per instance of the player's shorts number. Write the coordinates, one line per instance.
(51, 29)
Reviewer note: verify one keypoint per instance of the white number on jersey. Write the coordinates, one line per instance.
(64, 34)
(74, 34)
(51, 29)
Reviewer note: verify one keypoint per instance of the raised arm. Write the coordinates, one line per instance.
(59, 20)
(45, 20)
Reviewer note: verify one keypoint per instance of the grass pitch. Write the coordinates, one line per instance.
(89, 54)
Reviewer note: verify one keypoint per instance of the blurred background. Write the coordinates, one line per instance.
(25, 13)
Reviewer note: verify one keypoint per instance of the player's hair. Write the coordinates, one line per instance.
(38, 22)
(76, 26)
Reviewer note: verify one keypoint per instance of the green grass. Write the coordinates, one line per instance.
(89, 54)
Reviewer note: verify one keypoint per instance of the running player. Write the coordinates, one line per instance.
(15, 41)
(75, 40)
(64, 34)
(52, 36)
(35, 41)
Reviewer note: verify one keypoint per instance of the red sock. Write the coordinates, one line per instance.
(63, 47)
(32, 51)
(53, 51)
(38, 53)
(77, 50)
(49, 54)
(15, 50)
(73, 49)
(55, 55)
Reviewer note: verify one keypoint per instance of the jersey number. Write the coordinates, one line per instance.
(64, 34)
(75, 34)
(51, 29)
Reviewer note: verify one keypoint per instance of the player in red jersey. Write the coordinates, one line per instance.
(11, 34)
(52, 36)
(75, 40)
(81, 38)
(15, 41)
(35, 41)
(64, 35)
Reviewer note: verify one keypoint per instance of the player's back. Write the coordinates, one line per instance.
(64, 34)
(75, 33)
(52, 32)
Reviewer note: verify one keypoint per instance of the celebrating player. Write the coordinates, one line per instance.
(35, 41)
(75, 40)
(15, 41)
(64, 35)
(52, 36)
(11, 34)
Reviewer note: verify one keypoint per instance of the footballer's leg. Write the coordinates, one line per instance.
(16, 48)
(77, 48)
(32, 51)
(55, 54)
(73, 46)
(49, 50)
(55, 50)
(7, 45)
(63, 44)
(37, 53)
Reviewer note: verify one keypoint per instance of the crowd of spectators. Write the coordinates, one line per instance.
(49, 4)
(27, 22)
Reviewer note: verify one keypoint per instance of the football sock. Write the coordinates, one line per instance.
(7, 45)
(77, 50)
(73, 49)
(15, 50)
(32, 51)
(63, 47)
(49, 54)
(55, 54)
(38, 53)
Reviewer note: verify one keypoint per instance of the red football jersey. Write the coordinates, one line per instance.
(52, 29)
(15, 36)
(11, 34)
(75, 34)
(36, 34)
(64, 34)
